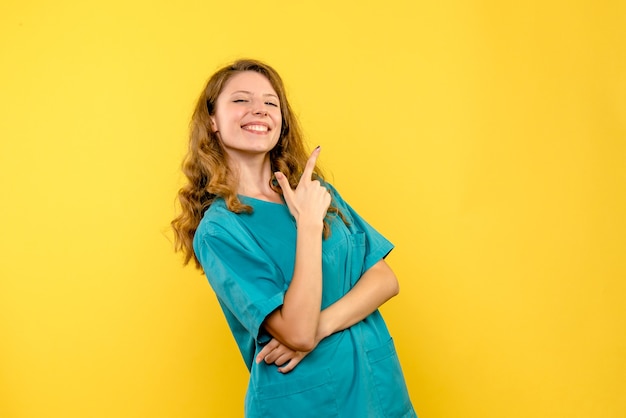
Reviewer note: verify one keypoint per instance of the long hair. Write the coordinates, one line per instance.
(206, 163)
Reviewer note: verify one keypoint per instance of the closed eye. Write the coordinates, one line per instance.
(271, 104)
(239, 101)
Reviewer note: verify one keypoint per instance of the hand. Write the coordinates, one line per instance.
(279, 354)
(310, 200)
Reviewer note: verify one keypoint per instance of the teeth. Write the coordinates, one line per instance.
(258, 128)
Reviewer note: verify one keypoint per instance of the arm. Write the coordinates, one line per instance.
(375, 287)
(296, 322)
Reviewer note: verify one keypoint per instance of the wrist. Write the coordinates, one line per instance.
(309, 225)
(324, 327)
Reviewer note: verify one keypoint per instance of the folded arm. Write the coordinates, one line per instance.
(375, 287)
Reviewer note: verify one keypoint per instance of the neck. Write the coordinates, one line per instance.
(254, 178)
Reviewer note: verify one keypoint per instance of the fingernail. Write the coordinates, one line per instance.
(278, 175)
(318, 147)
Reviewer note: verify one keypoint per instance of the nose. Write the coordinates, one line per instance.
(258, 108)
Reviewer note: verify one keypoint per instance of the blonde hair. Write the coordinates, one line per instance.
(205, 165)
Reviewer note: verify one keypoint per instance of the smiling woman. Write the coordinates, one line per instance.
(298, 273)
(247, 116)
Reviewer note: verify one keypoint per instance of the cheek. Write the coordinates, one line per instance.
(226, 118)
(278, 120)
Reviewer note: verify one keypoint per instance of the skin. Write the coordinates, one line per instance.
(296, 322)
(248, 120)
(249, 101)
(375, 287)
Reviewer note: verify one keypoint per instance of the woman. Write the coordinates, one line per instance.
(299, 275)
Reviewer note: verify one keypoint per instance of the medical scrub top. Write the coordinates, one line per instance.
(249, 259)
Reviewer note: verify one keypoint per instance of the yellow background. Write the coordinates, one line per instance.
(486, 139)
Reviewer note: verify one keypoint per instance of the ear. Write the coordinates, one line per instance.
(213, 124)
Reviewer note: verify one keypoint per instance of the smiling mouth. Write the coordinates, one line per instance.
(256, 128)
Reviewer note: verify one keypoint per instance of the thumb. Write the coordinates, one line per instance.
(284, 184)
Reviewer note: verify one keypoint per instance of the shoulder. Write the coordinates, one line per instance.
(333, 190)
(216, 221)
(338, 200)
(220, 232)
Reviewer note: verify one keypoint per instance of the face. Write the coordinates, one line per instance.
(247, 115)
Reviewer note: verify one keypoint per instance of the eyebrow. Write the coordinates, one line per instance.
(249, 92)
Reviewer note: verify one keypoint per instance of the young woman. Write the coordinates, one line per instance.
(298, 273)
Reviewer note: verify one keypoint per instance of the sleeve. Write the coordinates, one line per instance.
(246, 282)
(377, 246)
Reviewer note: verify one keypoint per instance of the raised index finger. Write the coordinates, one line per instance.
(310, 164)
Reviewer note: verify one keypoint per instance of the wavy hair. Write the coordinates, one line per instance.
(206, 163)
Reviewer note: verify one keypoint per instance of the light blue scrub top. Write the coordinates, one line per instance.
(249, 261)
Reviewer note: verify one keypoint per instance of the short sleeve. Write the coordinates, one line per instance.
(377, 246)
(245, 281)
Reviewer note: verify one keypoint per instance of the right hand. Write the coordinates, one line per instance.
(282, 356)
(309, 201)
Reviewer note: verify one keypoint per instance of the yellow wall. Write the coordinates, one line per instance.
(488, 141)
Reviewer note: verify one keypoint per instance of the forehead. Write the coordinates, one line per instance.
(249, 81)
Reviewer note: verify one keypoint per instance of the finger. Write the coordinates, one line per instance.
(281, 360)
(271, 357)
(265, 351)
(275, 355)
(310, 164)
(291, 365)
(284, 358)
(284, 185)
(262, 354)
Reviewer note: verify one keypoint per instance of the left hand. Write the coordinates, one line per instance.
(281, 355)
(310, 200)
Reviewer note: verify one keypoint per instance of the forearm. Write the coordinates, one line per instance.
(296, 322)
(375, 287)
